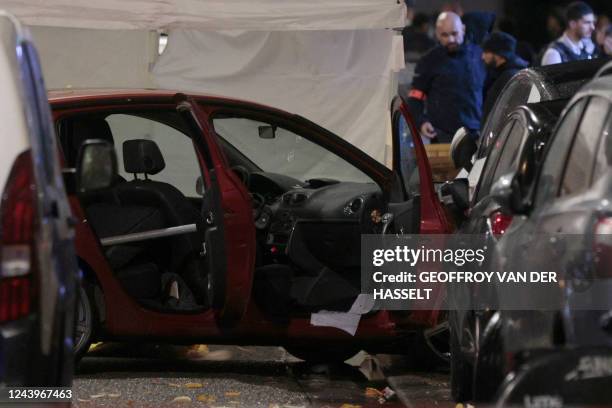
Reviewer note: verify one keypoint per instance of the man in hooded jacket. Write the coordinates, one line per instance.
(499, 55)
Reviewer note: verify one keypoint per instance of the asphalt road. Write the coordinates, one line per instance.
(230, 376)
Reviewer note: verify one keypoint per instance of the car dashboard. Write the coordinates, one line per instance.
(324, 203)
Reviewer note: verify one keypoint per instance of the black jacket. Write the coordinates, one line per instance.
(497, 79)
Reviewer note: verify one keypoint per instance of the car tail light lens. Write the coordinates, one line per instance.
(603, 246)
(500, 223)
(18, 217)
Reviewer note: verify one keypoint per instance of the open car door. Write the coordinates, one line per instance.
(411, 164)
(226, 228)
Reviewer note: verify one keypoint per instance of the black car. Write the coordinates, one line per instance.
(564, 225)
(530, 85)
(517, 150)
(533, 85)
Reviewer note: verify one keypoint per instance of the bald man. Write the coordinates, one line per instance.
(447, 89)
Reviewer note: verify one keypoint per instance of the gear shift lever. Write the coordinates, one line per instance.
(387, 218)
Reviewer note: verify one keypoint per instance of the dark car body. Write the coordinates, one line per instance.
(38, 269)
(313, 225)
(519, 145)
(565, 227)
(517, 150)
(536, 84)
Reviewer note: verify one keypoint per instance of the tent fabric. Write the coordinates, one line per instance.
(342, 80)
(81, 58)
(265, 15)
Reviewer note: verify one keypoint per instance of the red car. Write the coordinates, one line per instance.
(233, 222)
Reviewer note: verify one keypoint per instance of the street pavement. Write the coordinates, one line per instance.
(134, 376)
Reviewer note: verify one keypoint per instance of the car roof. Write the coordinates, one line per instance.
(94, 96)
(601, 86)
(559, 80)
(557, 74)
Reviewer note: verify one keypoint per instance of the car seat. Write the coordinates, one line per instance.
(141, 156)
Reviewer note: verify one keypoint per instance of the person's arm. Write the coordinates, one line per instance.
(417, 95)
(551, 56)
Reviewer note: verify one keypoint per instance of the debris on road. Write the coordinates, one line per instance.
(182, 399)
(209, 399)
(194, 385)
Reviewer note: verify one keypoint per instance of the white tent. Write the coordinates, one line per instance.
(331, 61)
(210, 15)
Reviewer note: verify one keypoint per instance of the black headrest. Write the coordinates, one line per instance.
(142, 156)
(82, 128)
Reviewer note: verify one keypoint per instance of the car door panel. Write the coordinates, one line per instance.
(432, 217)
(228, 227)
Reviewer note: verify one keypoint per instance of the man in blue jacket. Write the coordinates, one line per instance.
(447, 89)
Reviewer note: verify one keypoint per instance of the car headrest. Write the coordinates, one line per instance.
(142, 156)
(85, 128)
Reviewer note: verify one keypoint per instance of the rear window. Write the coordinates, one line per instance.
(548, 182)
(582, 156)
(518, 93)
(603, 161)
(492, 160)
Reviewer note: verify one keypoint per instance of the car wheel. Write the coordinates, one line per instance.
(489, 366)
(322, 355)
(85, 320)
(461, 370)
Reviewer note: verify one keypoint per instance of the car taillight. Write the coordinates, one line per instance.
(603, 247)
(500, 223)
(18, 216)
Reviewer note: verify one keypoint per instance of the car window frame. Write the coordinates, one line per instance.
(504, 151)
(484, 186)
(608, 123)
(583, 101)
(575, 139)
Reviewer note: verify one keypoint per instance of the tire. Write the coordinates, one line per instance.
(461, 371)
(86, 320)
(322, 355)
(489, 366)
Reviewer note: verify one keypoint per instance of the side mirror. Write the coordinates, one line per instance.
(507, 193)
(457, 191)
(96, 166)
(463, 148)
(267, 132)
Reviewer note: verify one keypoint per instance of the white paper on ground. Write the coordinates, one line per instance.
(346, 321)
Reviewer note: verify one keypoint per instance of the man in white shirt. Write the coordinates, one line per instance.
(575, 43)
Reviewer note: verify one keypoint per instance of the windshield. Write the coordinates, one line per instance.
(278, 150)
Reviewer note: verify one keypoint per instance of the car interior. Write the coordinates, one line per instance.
(152, 231)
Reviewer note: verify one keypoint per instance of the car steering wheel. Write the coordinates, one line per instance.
(243, 173)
